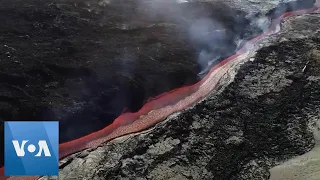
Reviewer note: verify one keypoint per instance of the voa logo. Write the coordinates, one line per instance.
(31, 148)
(42, 147)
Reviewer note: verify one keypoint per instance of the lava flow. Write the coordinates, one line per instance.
(166, 104)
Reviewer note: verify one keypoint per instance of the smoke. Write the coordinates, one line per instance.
(210, 28)
(210, 38)
(262, 23)
(127, 63)
(317, 3)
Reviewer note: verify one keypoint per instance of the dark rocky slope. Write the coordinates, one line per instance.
(254, 123)
(85, 62)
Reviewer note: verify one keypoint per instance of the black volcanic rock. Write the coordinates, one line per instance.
(86, 62)
(260, 119)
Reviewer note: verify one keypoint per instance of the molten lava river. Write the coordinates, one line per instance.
(160, 107)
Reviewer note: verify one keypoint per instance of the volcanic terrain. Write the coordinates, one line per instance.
(84, 63)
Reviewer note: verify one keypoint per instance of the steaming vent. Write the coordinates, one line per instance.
(215, 39)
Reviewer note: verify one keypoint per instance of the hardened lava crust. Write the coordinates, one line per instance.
(82, 74)
(268, 114)
(85, 62)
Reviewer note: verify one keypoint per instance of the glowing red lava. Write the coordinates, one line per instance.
(160, 107)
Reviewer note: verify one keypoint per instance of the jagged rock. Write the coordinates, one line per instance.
(85, 62)
(259, 120)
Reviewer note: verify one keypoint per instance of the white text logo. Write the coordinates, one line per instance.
(42, 144)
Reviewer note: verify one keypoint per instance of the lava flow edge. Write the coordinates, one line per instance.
(162, 106)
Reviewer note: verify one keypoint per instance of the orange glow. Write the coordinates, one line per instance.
(157, 109)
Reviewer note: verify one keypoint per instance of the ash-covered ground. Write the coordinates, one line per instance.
(86, 62)
(262, 118)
